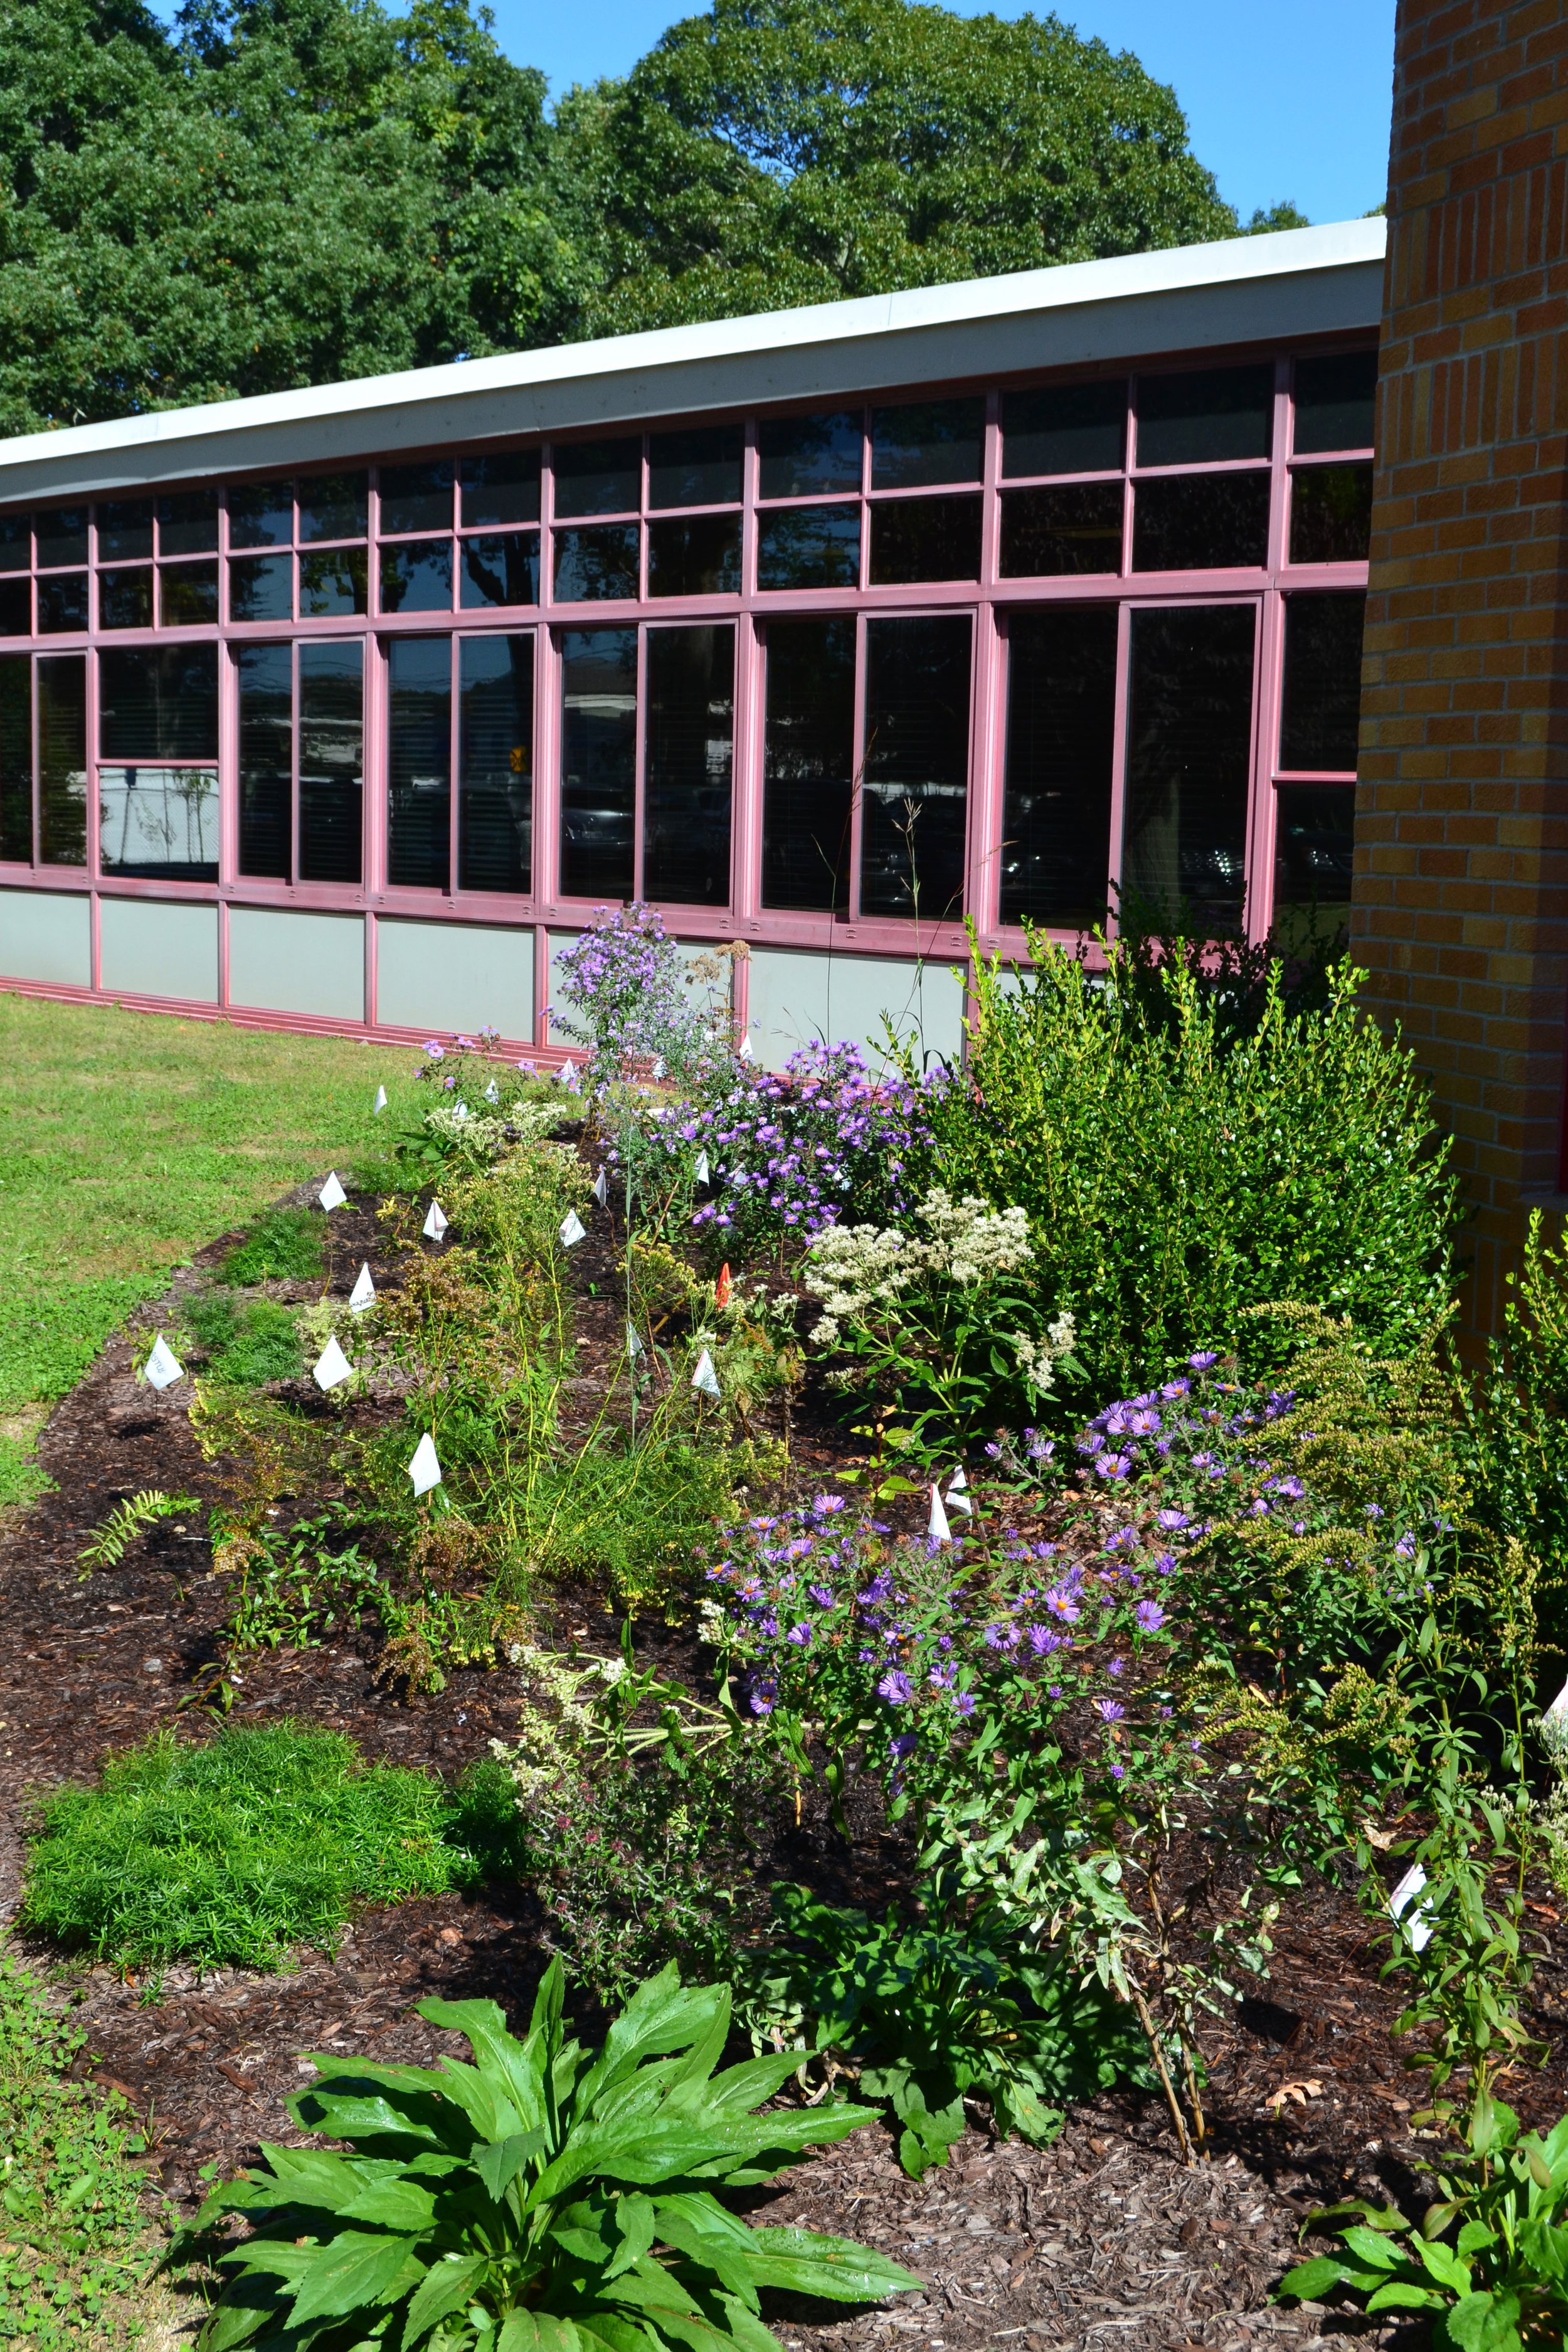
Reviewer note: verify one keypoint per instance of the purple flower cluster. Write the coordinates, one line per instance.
(624, 979)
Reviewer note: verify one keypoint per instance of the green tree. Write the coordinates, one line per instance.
(774, 153)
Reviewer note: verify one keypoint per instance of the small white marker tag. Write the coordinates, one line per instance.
(424, 1469)
(379, 1104)
(657, 1070)
(162, 1367)
(704, 1176)
(493, 1092)
(566, 1073)
(461, 1111)
(331, 1367)
(746, 1054)
(602, 1190)
(363, 1295)
(331, 1195)
(705, 1378)
(1557, 1715)
(958, 1494)
(938, 1531)
(1419, 1927)
(573, 1230)
(633, 1345)
(435, 1225)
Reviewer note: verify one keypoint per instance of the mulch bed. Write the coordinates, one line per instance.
(1103, 2240)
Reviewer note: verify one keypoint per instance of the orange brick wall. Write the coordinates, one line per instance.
(1461, 874)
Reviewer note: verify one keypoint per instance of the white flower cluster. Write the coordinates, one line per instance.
(1037, 1358)
(485, 1135)
(853, 1268)
(554, 1723)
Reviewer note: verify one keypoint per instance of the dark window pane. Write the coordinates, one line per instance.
(809, 547)
(1188, 759)
(187, 523)
(159, 702)
(337, 582)
(924, 539)
(16, 757)
(495, 722)
(931, 441)
(62, 758)
(262, 588)
(917, 767)
(598, 762)
(1198, 419)
(1071, 526)
(334, 506)
(332, 761)
(15, 541)
(1064, 428)
(125, 599)
(1330, 514)
(62, 603)
(500, 570)
(1314, 855)
(699, 468)
(62, 536)
(689, 763)
(1061, 730)
(158, 822)
(124, 531)
(187, 594)
(16, 608)
(416, 497)
(500, 488)
(695, 555)
(419, 762)
(1336, 401)
(418, 579)
(805, 456)
(808, 762)
(261, 514)
(1320, 711)
(1200, 522)
(597, 564)
(598, 476)
(266, 676)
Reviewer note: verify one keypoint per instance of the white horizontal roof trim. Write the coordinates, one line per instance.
(1183, 298)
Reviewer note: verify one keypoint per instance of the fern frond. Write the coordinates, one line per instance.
(112, 1540)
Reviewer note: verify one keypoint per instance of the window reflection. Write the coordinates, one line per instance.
(419, 762)
(598, 762)
(599, 564)
(158, 823)
(1188, 761)
(266, 681)
(808, 762)
(809, 547)
(62, 758)
(332, 761)
(916, 767)
(1321, 704)
(1201, 522)
(688, 764)
(1061, 726)
(15, 757)
(807, 456)
(496, 755)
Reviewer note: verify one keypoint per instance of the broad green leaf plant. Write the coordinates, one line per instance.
(537, 2199)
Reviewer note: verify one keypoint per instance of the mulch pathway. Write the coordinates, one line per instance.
(1103, 2239)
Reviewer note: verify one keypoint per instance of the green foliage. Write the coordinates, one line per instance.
(71, 2245)
(294, 1588)
(1178, 1173)
(129, 1519)
(535, 2200)
(230, 1853)
(1489, 2260)
(928, 2016)
(285, 1246)
(1519, 1407)
(762, 156)
(248, 1344)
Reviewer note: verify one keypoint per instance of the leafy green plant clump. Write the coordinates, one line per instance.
(285, 1246)
(231, 1853)
(538, 2200)
(249, 1345)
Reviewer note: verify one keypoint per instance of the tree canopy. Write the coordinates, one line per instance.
(290, 192)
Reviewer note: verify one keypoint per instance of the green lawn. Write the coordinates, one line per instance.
(127, 1141)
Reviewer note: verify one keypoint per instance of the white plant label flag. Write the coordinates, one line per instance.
(1557, 1715)
(705, 1378)
(424, 1470)
(459, 1110)
(162, 1367)
(939, 1531)
(435, 1225)
(633, 1345)
(568, 1072)
(493, 1092)
(331, 1195)
(602, 1190)
(1420, 1926)
(658, 1071)
(958, 1494)
(573, 1230)
(704, 1176)
(746, 1054)
(363, 1295)
(379, 1104)
(331, 1367)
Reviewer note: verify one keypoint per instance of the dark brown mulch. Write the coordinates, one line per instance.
(1104, 2240)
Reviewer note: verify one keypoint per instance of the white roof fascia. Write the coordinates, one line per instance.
(1291, 283)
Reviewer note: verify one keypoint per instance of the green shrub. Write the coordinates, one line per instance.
(517, 2201)
(1179, 1168)
(285, 1246)
(230, 1853)
(249, 1344)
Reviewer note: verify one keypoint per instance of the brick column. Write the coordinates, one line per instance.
(1461, 870)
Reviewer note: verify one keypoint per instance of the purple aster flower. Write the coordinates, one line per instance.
(821, 1595)
(944, 1677)
(1111, 1710)
(904, 1744)
(1062, 1605)
(964, 1702)
(799, 1634)
(1117, 1666)
(895, 1688)
(1203, 1359)
(1405, 1548)
(1113, 1466)
(1174, 1521)
(1149, 1616)
(1373, 1510)
(1119, 1772)
(1043, 1642)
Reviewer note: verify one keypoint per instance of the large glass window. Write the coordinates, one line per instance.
(594, 478)
(916, 766)
(500, 488)
(331, 759)
(808, 762)
(419, 762)
(809, 547)
(688, 764)
(809, 457)
(265, 675)
(157, 780)
(1205, 416)
(697, 469)
(1066, 428)
(924, 539)
(495, 761)
(1189, 739)
(16, 757)
(1061, 749)
(926, 443)
(62, 759)
(1314, 855)
(1336, 401)
(1330, 514)
(1061, 527)
(1201, 522)
(598, 763)
(596, 566)
(1320, 712)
